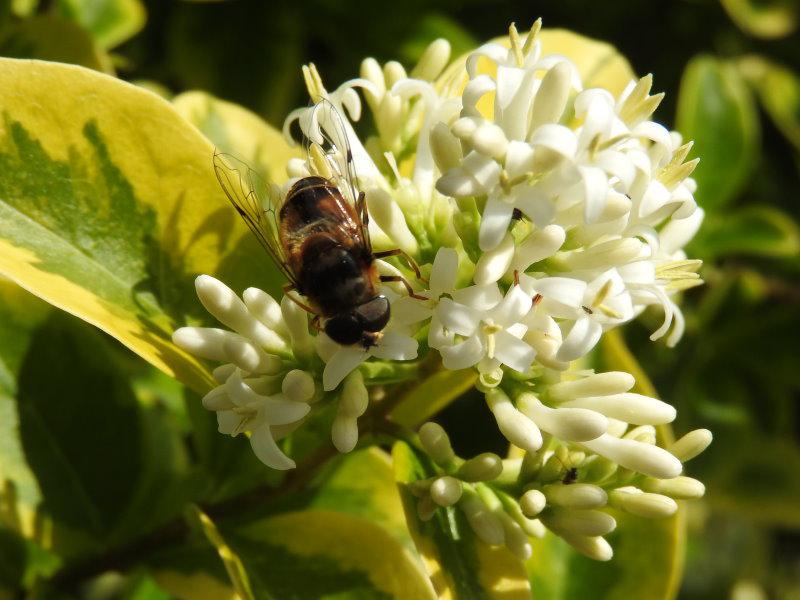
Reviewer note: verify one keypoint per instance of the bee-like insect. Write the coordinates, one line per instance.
(317, 237)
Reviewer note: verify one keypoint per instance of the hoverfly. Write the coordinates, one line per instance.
(319, 238)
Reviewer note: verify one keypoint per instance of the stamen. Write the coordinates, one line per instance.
(535, 28)
(513, 36)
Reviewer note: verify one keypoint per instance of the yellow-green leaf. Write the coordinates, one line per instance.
(432, 395)
(778, 89)
(50, 37)
(109, 208)
(110, 22)
(716, 110)
(765, 19)
(459, 565)
(321, 554)
(236, 130)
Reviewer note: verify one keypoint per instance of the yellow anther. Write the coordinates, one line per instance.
(602, 294)
(516, 48)
(313, 81)
(535, 28)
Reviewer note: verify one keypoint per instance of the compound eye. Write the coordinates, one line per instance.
(344, 329)
(374, 314)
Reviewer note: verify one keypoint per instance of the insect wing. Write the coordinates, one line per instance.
(327, 138)
(256, 201)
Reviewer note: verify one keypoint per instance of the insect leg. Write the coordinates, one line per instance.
(404, 281)
(315, 323)
(411, 262)
(288, 288)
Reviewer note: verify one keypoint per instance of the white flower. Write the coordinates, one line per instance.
(342, 360)
(479, 326)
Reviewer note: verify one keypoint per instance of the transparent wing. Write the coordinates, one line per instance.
(327, 138)
(257, 202)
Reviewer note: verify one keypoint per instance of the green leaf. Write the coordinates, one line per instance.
(778, 89)
(20, 314)
(50, 37)
(321, 554)
(460, 565)
(752, 475)
(646, 565)
(763, 18)
(362, 484)
(12, 560)
(107, 469)
(233, 564)
(751, 230)
(432, 395)
(236, 130)
(110, 22)
(716, 110)
(109, 208)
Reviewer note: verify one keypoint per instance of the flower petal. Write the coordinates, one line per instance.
(341, 364)
(494, 222)
(583, 336)
(513, 351)
(279, 411)
(395, 346)
(457, 317)
(479, 297)
(513, 307)
(267, 450)
(463, 355)
(407, 310)
(444, 271)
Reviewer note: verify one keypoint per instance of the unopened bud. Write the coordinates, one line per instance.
(484, 523)
(446, 490)
(596, 548)
(532, 503)
(298, 386)
(680, 488)
(600, 384)
(643, 504)
(355, 398)
(580, 522)
(514, 425)
(691, 444)
(436, 443)
(484, 467)
(344, 433)
(576, 495)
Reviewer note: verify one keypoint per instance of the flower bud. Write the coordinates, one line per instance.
(446, 490)
(227, 308)
(344, 433)
(432, 61)
(249, 358)
(516, 539)
(296, 320)
(576, 495)
(489, 139)
(629, 407)
(265, 308)
(552, 96)
(222, 372)
(393, 72)
(484, 467)
(532, 503)
(515, 426)
(568, 424)
(643, 504)
(644, 433)
(599, 384)
(390, 218)
(298, 386)
(445, 147)
(643, 458)
(493, 264)
(691, 444)
(680, 488)
(596, 548)
(355, 398)
(538, 245)
(579, 522)
(484, 523)
(436, 443)
(205, 342)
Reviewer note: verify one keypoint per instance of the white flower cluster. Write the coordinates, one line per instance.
(541, 214)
